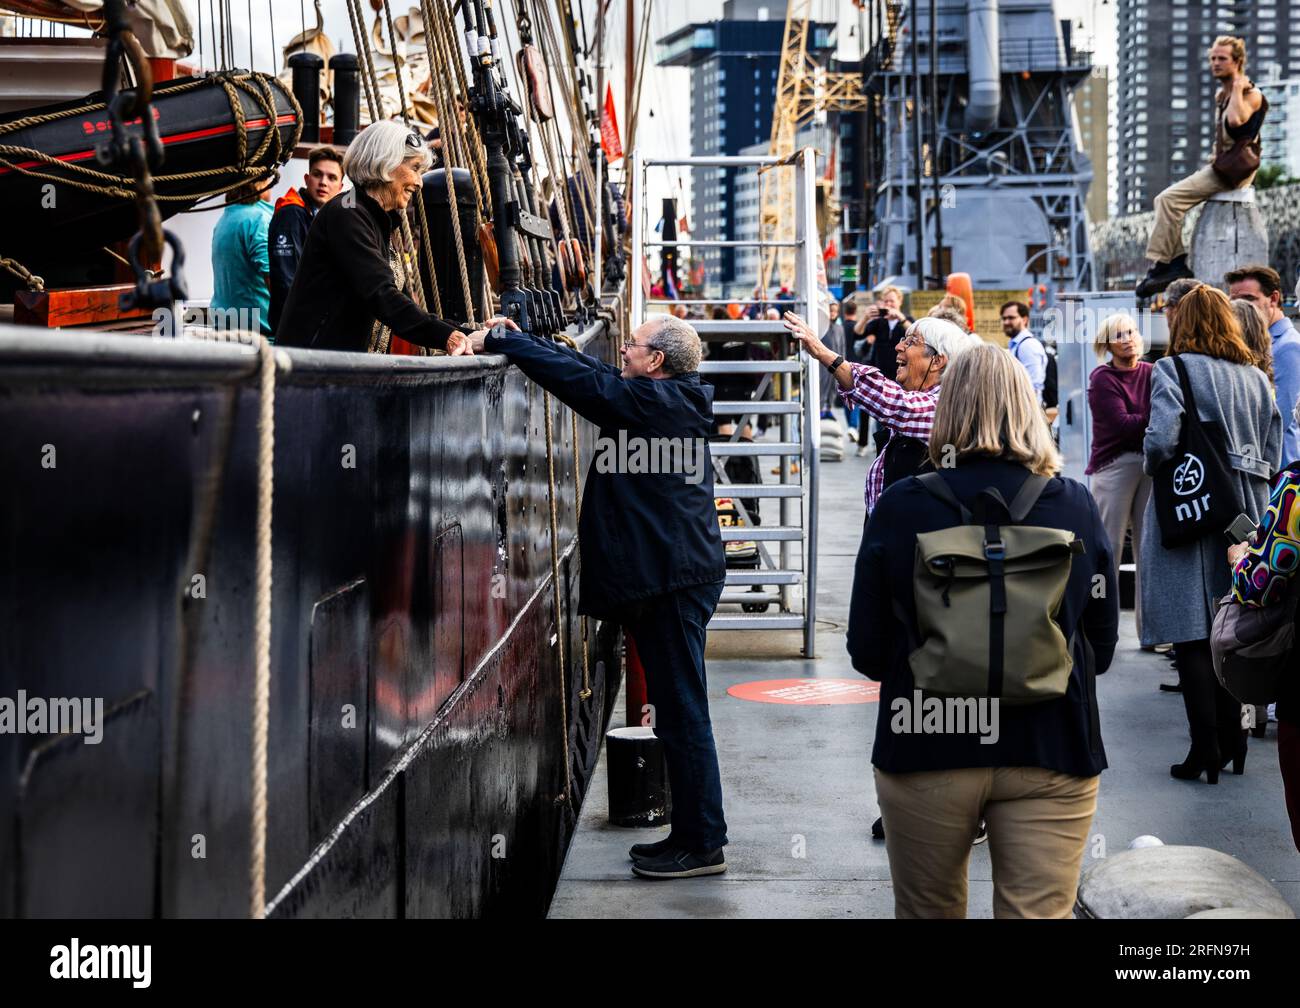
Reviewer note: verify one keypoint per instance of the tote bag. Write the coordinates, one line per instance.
(1195, 494)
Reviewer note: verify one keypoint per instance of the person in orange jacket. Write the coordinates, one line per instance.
(294, 212)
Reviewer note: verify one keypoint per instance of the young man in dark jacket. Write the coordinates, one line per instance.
(294, 212)
(652, 556)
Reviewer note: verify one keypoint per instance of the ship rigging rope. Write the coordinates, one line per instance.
(108, 184)
(33, 282)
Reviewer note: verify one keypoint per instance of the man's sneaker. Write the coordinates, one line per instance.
(650, 850)
(981, 834)
(1162, 274)
(678, 863)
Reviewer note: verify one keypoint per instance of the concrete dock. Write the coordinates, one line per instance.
(800, 799)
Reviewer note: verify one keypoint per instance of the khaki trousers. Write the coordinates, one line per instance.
(1121, 490)
(1037, 822)
(1171, 207)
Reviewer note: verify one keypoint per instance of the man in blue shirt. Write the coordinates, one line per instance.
(1023, 345)
(241, 295)
(1262, 286)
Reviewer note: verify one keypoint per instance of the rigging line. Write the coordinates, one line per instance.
(446, 25)
(275, 61)
(449, 129)
(252, 59)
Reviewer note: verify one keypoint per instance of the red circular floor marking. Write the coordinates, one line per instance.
(808, 692)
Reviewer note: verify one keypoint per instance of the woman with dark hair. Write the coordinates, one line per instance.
(1181, 584)
(350, 291)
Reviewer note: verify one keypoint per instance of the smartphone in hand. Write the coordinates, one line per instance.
(1241, 529)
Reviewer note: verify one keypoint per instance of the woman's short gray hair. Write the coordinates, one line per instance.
(678, 341)
(374, 155)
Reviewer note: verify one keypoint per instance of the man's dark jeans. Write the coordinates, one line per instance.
(669, 631)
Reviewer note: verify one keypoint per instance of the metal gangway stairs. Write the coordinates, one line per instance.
(786, 572)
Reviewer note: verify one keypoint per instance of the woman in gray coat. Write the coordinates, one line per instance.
(1180, 585)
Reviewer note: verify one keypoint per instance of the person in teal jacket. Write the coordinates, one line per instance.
(241, 294)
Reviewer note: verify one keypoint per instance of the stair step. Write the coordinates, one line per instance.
(762, 533)
(756, 448)
(733, 407)
(757, 489)
(749, 597)
(755, 621)
(764, 576)
(750, 367)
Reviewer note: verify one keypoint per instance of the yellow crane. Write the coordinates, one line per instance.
(802, 90)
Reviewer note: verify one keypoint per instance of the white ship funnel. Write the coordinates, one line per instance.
(983, 66)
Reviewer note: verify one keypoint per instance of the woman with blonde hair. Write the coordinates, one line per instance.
(1180, 584)
(1035, 781)
(1119, 401)
(1254, 333)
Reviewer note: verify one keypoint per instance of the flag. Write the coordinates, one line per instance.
(609, 140)
(646, 283)
(670, 285)
(831, 251)
(682, 225)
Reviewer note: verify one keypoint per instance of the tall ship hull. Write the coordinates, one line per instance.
(426, 747)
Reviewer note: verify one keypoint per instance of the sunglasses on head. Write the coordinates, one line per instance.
(414, 141)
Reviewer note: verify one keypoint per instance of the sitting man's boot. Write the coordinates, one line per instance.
(1162, 274)
(680, 863)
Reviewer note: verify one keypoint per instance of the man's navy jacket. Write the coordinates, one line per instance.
(641, 534)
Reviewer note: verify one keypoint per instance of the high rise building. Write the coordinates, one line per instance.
(734, 63)
(1091, 108)
(1166, 94)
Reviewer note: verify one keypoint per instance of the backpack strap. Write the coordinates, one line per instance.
(1026, 497)
(937, 486)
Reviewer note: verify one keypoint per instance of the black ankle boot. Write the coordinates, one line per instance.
(1196, 764)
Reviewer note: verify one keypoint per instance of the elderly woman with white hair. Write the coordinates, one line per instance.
(351, 288)
(904, 403)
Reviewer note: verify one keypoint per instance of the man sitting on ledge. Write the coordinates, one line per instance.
(1240, 114)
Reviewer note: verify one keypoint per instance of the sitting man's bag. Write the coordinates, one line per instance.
(987, 597)
(1254, 627)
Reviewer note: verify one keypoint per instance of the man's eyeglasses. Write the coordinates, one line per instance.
(915, 339)
(627, 344)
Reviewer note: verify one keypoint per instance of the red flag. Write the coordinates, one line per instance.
(831, 251)
(609, 128)
(682, 225)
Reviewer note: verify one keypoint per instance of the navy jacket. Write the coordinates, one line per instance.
(288, 234)
(1062, 734)
(641, 534)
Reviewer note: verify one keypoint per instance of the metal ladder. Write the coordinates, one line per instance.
(797, 409)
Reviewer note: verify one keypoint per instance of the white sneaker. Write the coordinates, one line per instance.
(852, 435)
(862, 450)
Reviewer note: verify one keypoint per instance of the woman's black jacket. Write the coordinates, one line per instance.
(344, 283)
(1062, 734)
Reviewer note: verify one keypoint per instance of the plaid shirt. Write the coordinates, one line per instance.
(901, 411)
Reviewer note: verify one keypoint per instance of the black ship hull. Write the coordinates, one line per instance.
(421, 727)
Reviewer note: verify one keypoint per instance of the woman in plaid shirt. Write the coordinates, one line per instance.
(903, 404)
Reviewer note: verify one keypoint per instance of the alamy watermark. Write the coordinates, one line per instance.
(687, 457)
(932, 715)
(26, 715)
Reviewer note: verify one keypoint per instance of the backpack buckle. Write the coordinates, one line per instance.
(995, 550)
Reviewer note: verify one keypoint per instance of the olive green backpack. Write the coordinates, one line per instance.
(987, 597)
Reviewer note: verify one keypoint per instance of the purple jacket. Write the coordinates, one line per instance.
(1120, 403)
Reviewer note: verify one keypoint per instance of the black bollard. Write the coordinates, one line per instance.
(442, 246)
(638, 778)
(347, 98)
(306, 69)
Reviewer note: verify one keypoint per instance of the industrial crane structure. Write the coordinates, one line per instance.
(803, 89)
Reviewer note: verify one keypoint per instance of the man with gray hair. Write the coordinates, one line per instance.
(651, 551)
